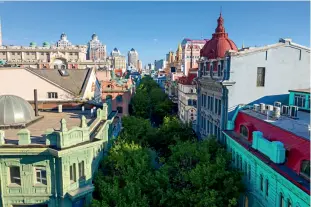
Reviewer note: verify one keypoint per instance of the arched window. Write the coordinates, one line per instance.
(244, 131)
(261, 182)
(305, 169)
(108, 97)
(119, 98)
(245, 201)
(282, 200)
(267, 187)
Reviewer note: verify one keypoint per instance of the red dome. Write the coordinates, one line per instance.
(219, 44)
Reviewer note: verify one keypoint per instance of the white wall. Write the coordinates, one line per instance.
(284, 71)
(22, 83)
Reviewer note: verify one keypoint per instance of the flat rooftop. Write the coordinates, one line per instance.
(306, 90)
(50, 120)
(299, 126)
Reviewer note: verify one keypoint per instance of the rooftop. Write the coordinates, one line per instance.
(299, 126)
(50, 120)
(306, 90)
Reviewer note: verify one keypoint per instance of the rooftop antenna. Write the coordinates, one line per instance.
(220, 10)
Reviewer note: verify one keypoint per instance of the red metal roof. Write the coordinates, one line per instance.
(298, 148)
(219, 44)
(187, 80)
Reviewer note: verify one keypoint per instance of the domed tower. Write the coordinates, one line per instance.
(94, 37)
(219, 44)
(63, 36)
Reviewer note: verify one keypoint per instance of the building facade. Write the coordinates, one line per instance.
(119, 62)
(132, 58)
(191, 53)
(119, 89)
(63, 41)
(115, 52)
(187, 99)
(273, 152)
(51, 159)
(229, 77)
(53, 87)
(96, 50)
(159, 64)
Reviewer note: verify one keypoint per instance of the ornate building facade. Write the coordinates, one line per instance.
(96, 50)
(229, 77)
(132, 58)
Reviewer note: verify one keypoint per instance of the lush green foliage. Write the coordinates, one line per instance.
(164, 165)
(150, 102)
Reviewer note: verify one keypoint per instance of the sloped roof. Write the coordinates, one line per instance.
(75, 82)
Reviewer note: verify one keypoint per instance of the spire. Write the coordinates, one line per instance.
(243, 45)
(220, 25)
(179, 47)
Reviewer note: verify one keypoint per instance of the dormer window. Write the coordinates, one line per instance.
(244, 131)
(305, 169)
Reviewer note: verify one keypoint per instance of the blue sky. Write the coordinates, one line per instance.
(153, 28)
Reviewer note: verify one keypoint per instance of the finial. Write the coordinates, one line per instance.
(220, 10)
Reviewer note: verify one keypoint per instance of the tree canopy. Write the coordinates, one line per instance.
(163, 164)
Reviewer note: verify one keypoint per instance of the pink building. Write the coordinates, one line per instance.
(191, 53)
(117, 89)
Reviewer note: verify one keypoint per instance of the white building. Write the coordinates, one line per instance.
(63, 42)
(96, 49)
(187, 99)
(132, 58)
(115, 52)
(228, 77)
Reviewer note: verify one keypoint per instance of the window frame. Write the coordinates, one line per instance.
(261, 76)
(72, 173)
(300, 97)
(267, 187)
(41, 179)
(52, 95)
(305, 175)
(81, 168)
(242, 132)
(12, 178)
(120, 111)
(261, 183)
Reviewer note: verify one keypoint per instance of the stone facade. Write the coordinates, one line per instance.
(57, 171)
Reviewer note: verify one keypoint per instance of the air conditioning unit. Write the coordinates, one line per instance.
(256, 107)
(278, 104)
(269, 107)
(276, 112)
(285, 110)
(262, 107)
(293, 111)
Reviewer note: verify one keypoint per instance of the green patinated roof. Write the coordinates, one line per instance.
(33, 44)
(46, 44)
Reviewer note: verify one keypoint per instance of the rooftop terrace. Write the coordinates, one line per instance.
(50, 120)
(298, 126)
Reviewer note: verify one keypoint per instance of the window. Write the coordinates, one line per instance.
(15, 175)
(52, 95)
(73, 177)
(282, 200)
(208, 129)
(202, 99)
(63, 67)
(27, 53)
(289, 203)
(299, 100)
(108, 97)
(13, 53)
(208, 102)
(249, 172)
(233, 156)
(81, 170)
(216, 105)
(261, 182)
(305, 169)
(120, 109)
(219, 107)
(237, 160)
(55, 66)
(261, 77)
(244, 131)
(219, 71)
(194, 103)
(119, 98)
(241, 164)
(41, 176)
(267, 187)
(212, 103)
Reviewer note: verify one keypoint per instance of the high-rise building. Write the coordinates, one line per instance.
(159, 64)
(63, 42)
(115, 52)
(119, 62)
(96, 50)
(132, 58)
(139, 65)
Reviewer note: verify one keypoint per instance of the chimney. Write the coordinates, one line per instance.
(36, 102)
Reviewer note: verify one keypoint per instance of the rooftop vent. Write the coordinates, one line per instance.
(293, 111)
(278, 104)
(63, 72)
(256, 107)
(285, 110)
(276, 112)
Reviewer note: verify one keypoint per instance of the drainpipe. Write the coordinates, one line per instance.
(36, 102)
(55, 183)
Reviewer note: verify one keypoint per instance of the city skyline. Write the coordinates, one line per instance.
(155, 27)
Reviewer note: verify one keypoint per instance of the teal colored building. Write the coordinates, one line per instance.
(273, 152)
(49, 159)
(300, 98)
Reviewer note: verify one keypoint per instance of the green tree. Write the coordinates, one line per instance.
(200, 175)
(128, 178)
